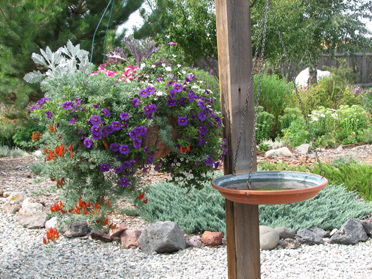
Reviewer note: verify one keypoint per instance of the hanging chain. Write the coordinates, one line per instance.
(322, 171)
(263, 33)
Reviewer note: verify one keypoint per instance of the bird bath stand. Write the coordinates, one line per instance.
(235, 66)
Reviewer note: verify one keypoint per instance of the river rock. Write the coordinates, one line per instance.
(101, 235)
(30, 208)
(129, 238)
(14, 202)
(367, 225)
(269, 238)
(34, 221)
(162, 237)
(289, 243)
(285, 232)
(51, 223)
(117, 231)
(194, 242)
(351, 232)
(212, 238)
(80, 228)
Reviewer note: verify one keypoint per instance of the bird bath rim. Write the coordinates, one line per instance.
(315, 184)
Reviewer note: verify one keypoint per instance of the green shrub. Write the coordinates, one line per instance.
(8, 128)
(37, 167)
(5, 151)
(346, 125)
(276, 94)
(205, 209)
(265, 124)
(353, 176)
(290, 115)
(23, 135)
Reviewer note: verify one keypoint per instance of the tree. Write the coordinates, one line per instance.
(27, 26)
(309, 28)
(192, 24)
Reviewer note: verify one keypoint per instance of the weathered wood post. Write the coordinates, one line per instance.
(235, 64)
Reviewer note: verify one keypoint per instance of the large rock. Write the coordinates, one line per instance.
(367, 225)
(34, 221)
(162, 237)
(351, 232)
(280, 152)
(285, 232)
(129, 238)
(320, 232)
(77, 229)
(303, 77)
(30, 208)
(269, 238)
(303, 149)
(212, 238)
(308, 237)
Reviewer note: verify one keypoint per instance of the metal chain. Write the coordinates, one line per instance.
(263, 23)
(322, 171)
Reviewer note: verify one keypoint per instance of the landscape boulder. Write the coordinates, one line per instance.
(289, 243)
(101, 235)
(269, 238)
(303, 149)
(13, 202)
(34, 221)
(117, 231)
(162, 237)
(212, 238)
(308, 237)
(351, 232)
(322, 233)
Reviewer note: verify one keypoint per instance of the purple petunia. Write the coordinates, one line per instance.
(106, 112)
(95, 119)
(96, 129)
(126, 165)
(72, 121)
(202, 116)
(42, 101)
(96, 136)
(137, 143)
(104, 167)
(159, 79)
(96, 106)
(88, 143)
(49, 114)
(172, 93)
(150, 90)
(32, 108)
(201, 141)
(116, 125)
(177, 87)
(143, 93)
(124, 116)
(67, 105)
(203, 130)
(150, 159)
(182, 121)
(143, 131)
(171, 103)
(153, 108)
(191, 76)
(182, 101)
(118, 169)
(132, 134)
(191, 96)
(147, 109)
(114, 147)
(201, 104)
(124, 181)
(209, 161)
(108, 129)
(124, 149)
(124, 125)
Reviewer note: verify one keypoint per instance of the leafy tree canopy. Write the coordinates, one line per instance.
(27, 26)
(309, 27)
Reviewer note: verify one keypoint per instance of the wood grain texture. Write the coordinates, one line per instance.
(235, 63)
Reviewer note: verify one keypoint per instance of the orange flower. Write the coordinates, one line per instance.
(33, 136)
(105, 222)
(145, 201)
(105, 142)
(51, 127)
(140, 197)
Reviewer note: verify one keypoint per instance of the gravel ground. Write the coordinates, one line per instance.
(22, 255)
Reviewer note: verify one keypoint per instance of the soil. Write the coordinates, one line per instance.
(16, 176)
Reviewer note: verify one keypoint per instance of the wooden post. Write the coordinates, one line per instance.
(235, 64)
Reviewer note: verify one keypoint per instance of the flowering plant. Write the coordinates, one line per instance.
(107, 127)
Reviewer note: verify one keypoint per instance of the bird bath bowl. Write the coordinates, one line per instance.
(270, 187)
